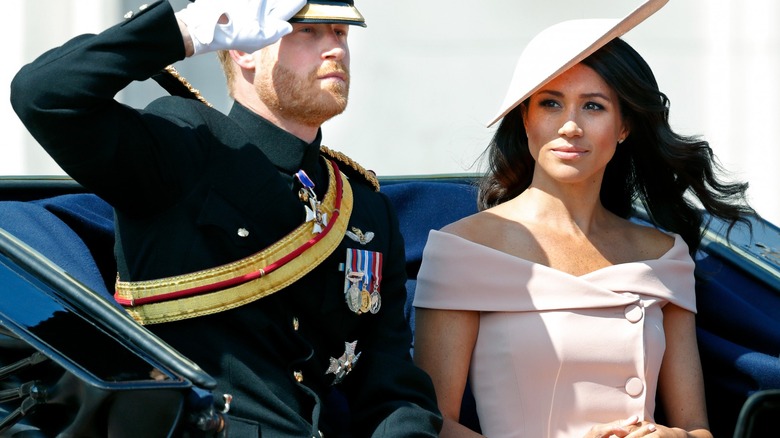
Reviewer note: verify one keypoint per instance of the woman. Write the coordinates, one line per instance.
(565, 314)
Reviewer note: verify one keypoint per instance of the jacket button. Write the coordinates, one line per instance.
(243, 232)
(296, 324)
(634, 386)
(634, 313)
(298, 376)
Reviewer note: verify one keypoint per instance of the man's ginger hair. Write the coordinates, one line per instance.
(228, 68)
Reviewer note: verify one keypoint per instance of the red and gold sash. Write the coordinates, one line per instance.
(243, 281)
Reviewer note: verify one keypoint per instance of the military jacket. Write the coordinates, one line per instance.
(194, 188)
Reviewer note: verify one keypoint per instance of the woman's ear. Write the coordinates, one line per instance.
(625, 130)
(524, 115)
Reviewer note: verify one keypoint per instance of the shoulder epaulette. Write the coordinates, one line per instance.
(353, 168)
(176, 85)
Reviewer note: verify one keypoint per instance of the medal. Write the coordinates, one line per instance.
(365, 301)
(307, 195)
(362, 280)
(353, 292)
(376, 300)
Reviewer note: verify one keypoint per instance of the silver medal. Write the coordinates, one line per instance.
(353, 293)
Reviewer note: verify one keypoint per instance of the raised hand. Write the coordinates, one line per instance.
(246, 25)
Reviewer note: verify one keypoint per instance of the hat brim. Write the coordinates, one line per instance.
(563, 45)
(329, 12)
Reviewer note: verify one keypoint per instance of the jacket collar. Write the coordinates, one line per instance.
(286, 151)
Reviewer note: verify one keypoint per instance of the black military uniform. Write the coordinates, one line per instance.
(192, 189)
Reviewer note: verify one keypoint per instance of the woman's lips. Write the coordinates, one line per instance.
(569, 153)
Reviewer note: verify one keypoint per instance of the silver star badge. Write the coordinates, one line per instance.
(342, 366)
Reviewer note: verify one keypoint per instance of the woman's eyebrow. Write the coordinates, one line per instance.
(557, 93)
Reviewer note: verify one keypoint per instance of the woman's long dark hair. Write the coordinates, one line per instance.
(654, 165)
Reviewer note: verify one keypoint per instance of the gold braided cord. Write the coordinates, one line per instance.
(368, 175)
(195, 92)
(234, 296)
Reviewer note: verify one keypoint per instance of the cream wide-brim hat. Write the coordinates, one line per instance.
(563, 45)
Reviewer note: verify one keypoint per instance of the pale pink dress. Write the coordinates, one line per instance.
(557, 353)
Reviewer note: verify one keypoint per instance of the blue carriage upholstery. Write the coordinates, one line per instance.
(75, 231)
(739, 312)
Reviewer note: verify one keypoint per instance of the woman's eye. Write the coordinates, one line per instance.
(549, 103)
(593, 106)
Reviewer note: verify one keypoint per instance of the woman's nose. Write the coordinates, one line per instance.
(570, 129)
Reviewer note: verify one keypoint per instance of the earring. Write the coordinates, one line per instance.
(621, 141)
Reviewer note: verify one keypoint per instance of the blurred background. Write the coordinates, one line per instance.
(428, 75)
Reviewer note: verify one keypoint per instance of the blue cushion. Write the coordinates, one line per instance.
(422, 207)
(74, 231)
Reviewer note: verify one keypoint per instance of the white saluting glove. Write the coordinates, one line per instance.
(249, 26)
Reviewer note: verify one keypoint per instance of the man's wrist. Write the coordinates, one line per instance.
(189, 47)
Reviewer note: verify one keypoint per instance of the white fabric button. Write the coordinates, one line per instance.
(243, 232)
(634, 386)
(634, 313)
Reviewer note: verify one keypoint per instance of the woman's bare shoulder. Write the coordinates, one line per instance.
(471, 227)
(653, 242)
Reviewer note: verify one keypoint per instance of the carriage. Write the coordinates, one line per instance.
(72, 363)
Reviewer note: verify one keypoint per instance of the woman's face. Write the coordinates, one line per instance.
(573, 125)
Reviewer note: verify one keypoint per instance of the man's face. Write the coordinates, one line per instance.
(305, 76)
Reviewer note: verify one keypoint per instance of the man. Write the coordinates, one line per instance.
(268, 260)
